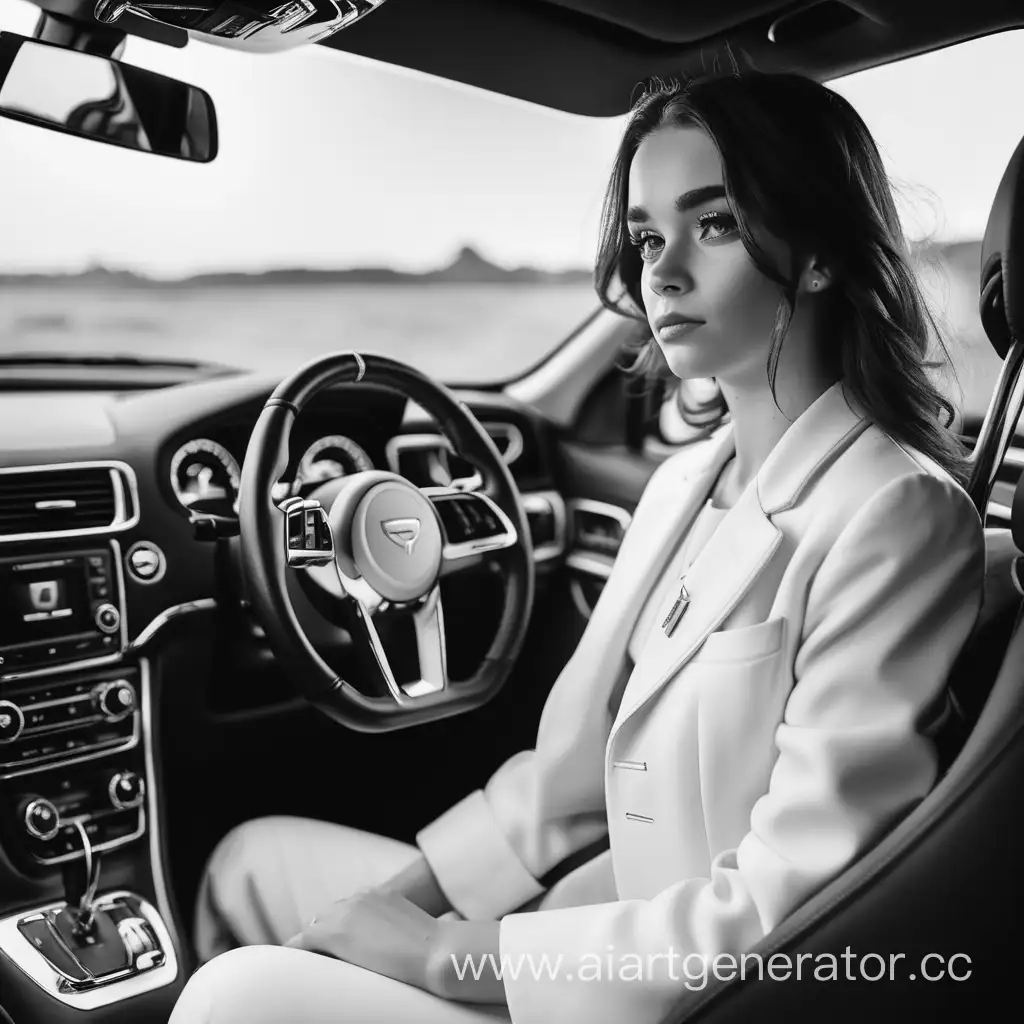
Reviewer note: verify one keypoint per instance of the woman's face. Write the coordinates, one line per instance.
(694, 263)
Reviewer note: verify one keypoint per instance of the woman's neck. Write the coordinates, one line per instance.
(758, 425)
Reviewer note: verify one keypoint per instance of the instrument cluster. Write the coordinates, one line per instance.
(205, 477)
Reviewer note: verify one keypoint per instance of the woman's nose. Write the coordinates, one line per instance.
(670, 274)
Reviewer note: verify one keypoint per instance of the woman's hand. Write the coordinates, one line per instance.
(378, 930)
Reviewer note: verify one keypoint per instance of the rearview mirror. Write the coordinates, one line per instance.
(105, 100)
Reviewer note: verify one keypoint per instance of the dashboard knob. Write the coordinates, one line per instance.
(107, 618)
(115, 700)
(41, 818)
(126, 790)
(12, 721)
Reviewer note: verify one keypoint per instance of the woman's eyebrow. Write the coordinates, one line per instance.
(638, 215)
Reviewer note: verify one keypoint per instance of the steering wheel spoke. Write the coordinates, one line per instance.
(474, 526)
(428, 623)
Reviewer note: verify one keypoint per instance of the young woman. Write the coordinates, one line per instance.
(749, 708)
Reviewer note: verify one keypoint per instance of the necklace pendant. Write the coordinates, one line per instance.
(675, 613)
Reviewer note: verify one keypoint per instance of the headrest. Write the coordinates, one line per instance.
(1002, 260)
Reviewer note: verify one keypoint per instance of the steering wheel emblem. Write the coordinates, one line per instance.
(403, 532)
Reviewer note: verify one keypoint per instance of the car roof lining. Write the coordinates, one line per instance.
(590, 56)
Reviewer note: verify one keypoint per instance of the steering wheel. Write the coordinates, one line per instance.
(382, 544)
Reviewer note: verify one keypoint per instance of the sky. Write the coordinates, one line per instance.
(328, 160)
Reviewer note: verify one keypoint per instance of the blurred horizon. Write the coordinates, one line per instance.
(408, 168)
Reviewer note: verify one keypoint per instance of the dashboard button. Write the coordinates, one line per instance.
(12, 721)
(146, 562)
(41, 819)
(108, 618)
(126, 790)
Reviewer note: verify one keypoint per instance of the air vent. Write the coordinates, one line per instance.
(545, 513)
(66, 501)
(430, 460)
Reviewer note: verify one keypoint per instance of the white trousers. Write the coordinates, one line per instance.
(263, 884)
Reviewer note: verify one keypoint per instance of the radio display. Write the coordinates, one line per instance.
(43, 599)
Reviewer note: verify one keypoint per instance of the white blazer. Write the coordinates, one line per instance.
(754, 753)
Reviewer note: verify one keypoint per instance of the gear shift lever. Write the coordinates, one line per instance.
(86, 911)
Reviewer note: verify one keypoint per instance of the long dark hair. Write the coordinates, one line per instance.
(799, 161)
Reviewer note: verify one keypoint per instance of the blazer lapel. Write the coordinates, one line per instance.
(745, 540)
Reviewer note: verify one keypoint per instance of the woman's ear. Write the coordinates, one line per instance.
(814, 278)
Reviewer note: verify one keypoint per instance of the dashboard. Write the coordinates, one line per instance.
(176, 454)
(116, 601)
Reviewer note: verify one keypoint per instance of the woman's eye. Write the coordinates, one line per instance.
(645, 244)
(718, 224)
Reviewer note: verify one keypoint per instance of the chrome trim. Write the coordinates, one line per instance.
(636, 766)
(18, 713)
(117, 802)
(431, 651)
(639, 817)
(514, 435)
(119, 473)
(175, 611)
(161, 566)
(400, 442)
(454, 552)
(26, 820)
(71, 723)
(429, 625)
(109, 630)
(102, 689)
(51, 761)
(109, 990)
(591, 564)
(67, 666)
(94, 662)
(123, 603)
(601, 508)
(49, 506)
(535, 501)
(110, 844)
(217, 451)
(302, 558)
(155, 856)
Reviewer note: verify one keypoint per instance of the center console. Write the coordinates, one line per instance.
(77, 802)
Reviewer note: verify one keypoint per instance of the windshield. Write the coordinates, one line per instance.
(352, 206)
(358, 206)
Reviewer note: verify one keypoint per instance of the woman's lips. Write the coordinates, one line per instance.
(679, 330)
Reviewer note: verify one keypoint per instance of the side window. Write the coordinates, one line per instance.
(946, 136)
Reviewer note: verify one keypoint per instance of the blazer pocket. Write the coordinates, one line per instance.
(748, 643)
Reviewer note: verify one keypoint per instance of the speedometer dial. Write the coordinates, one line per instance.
(331, 457)
(205, 475)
